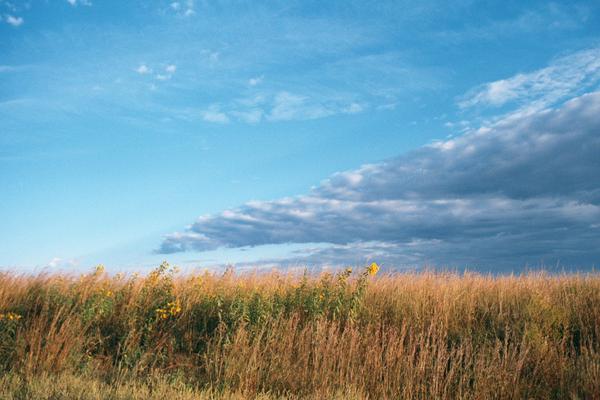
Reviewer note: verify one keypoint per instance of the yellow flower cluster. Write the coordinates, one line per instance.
(10, 317)
(373, 269)
(170, 310)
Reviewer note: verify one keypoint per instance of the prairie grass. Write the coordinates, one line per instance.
(336, 335)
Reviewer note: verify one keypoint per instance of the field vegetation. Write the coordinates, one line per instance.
(350, 334)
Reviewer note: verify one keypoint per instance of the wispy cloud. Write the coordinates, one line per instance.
(143, 69)
(214, 114)
(532, 19)
(565, 77)
(80, 2)
(164, 73)
(354, 108)
(223, 69)
(287, 106)
(168, 73)
(255, 81)
(520, 191)
(58, 262)
(14, 21)
(183, 8)
(250, 116)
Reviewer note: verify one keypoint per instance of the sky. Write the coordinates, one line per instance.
(292, 134)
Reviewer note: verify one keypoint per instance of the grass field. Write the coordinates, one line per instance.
(353, 334)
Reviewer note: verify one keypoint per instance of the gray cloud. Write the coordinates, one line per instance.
(522, 191)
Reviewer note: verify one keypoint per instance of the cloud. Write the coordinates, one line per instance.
(255, 81)
(14, 21)
(143, 69)
(183, 8)
(189, 11)
(81, 2)
(169, 72)
(288, 106)
(523, 190)
(354, 108)
(563, 78)
(58, 262)
(251, 116)
(335, 86)
(532, 19)
(214, 57)
(284, 106)
(213, 114)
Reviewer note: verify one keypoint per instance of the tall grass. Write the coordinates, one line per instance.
(343, 335)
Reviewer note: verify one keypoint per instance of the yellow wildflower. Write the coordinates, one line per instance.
(174, 307)
(170, 310)
(10, 316)
(373, 269)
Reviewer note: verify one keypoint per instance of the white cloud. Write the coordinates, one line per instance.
(565, 77)
(282, 106)
(189, 8)
(255, 81)
(143, 69)
(183, 9)
(215, 115)
(58, 262)
(288, 106)
(14, 21)
(168, 74)
(82, 2)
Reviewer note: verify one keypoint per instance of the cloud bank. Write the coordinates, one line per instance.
(525, 190)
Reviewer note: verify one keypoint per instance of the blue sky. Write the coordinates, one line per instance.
(299, 133)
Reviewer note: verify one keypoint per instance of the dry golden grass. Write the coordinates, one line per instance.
(344, 335)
